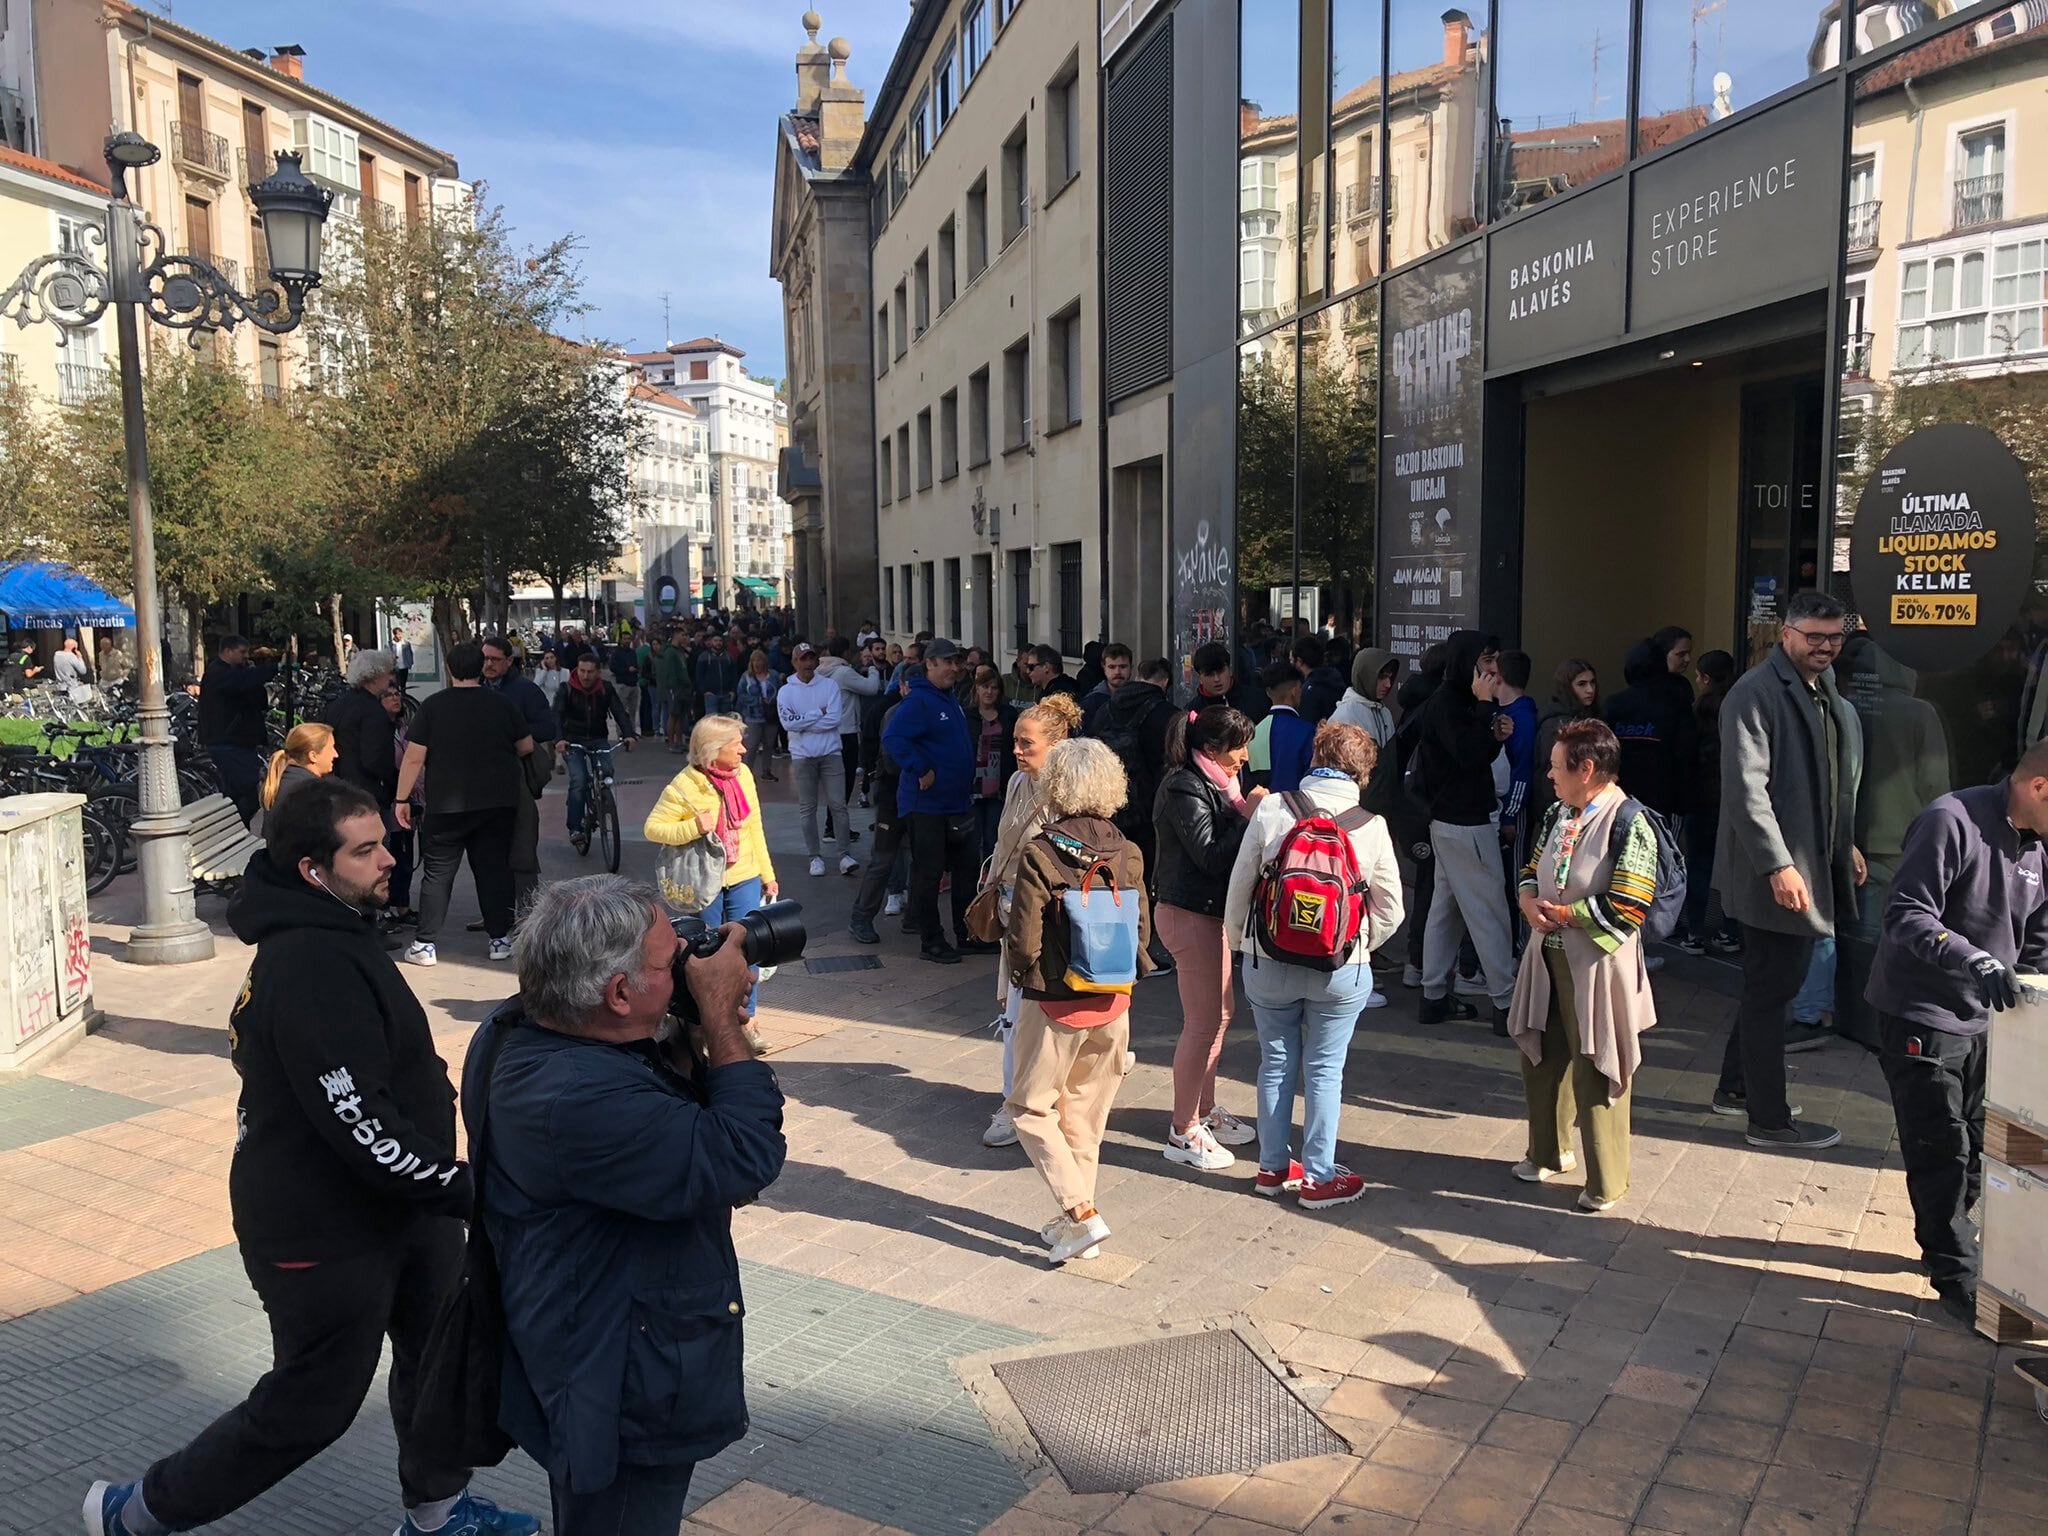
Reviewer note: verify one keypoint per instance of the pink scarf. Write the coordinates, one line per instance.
(732, 810)
(1222, 778)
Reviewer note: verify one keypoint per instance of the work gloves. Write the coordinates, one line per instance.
(1997, 986)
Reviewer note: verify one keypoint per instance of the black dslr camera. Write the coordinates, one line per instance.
(772, 935)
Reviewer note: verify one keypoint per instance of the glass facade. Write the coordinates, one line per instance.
(1704, 60)
(1560, 98)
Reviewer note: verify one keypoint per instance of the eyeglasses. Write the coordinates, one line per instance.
(1819, 640)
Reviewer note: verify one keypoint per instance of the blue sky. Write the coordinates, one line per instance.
(646, 127)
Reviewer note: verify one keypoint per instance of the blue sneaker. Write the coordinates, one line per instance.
(475, 1516)
(103, 1504)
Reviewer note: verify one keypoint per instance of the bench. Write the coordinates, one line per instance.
(221, 845)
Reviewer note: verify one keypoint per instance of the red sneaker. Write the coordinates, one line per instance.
(1273, 1185)
(1340, 1188)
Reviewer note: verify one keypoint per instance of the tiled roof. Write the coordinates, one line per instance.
(1360, 98)
(1581, 151)
(48, 168)
(645, 391)
(1958, 45)
(705, 344)
(807, 131)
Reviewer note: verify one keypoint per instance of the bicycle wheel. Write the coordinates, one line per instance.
(102, 852)
(607, 827)
(118, 805)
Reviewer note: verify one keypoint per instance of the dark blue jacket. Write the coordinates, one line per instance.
(928, 732)
(608, 1195)
(533, 704)
(1321, 690)
(1293, 743)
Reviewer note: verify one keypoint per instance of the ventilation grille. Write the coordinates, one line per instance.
(1138, 219)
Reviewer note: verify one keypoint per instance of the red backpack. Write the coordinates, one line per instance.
(1309, 905)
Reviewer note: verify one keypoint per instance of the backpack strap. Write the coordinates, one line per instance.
(1299, 806)
(1356, 819)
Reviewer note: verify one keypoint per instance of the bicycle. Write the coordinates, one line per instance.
(600, 806)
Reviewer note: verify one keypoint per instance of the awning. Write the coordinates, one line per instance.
(39, 594)
(709, 593)
(756, 585)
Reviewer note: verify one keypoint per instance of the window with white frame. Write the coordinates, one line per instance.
(920, 130)
(1973, 306)
(945, 86)
(333, 153)
(1258, 279)
(1005, 9)
(75, 236)
(974, 36)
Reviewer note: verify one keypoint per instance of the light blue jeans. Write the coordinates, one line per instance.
(1305, 1019)
(734, 903)
(1817, 993)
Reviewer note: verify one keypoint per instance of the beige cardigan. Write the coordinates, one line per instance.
(1023, 818)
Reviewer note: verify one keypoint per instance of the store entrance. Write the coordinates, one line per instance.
(1679, 488)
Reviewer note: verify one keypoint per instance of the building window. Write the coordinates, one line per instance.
(929, 573)
(953, 598)
(700, 370)
(1005, 9)
(924, 449)
(1017, 395)
(949, 434)
(269, 369)
(333, 153)
(1863, 205)
(920, 130)
(878, 209)
(945, 86)
(977, 227)
(1258, 285)
(884, 480)
(921, 285)
(1067, 557)
(1020, 597)
(1980, 178)
(902, 318)
(948, 277)
(899, 169)
(974, 38)
(888, 599)
(1016, 183)
(881, 341)
(72, 236)
(1946, 314)
(415, 202)
(1063, 127)
(903, 462)
(977, 418)
(1066, 381)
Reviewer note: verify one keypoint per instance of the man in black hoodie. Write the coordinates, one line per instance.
(1458, 743)
(345, 1188)
(1322, 685)
(1652, 718)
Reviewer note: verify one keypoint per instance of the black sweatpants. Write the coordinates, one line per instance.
(1773, 970)
(874, 880)
(1937, 1084)
(486, 838)
(941, 845)
(642, 1501)
(328, 1323)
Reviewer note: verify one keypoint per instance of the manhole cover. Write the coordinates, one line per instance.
(827, 963)
(1193, 1405)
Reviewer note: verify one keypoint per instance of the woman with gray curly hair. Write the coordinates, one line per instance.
(1070, 1039)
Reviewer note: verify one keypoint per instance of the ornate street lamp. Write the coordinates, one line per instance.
(184, 293)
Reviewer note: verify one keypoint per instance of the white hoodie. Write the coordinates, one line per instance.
(1374, 717)
(1271, 822)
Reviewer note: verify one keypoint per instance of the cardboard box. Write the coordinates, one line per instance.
(2016, 1068)
(2016, 1235)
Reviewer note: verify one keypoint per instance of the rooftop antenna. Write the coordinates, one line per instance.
(667, 335)
(1692, 80)
(1599, 47)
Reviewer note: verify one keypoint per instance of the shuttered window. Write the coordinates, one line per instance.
(1138, 219)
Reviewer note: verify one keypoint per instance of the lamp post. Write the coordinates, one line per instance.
(183, 293)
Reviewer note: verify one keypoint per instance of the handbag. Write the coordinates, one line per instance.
(691, 877)
(985, 913)
(1102, 934)
(455, 1405)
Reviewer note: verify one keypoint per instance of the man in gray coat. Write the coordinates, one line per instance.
(1785, 863)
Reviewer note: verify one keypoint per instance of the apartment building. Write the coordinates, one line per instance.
(671, 475)
(984, 305)
(44, 209)
(746, 426)
(220, 115)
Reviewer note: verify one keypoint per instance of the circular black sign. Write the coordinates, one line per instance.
(1942, 554)
(666, 594)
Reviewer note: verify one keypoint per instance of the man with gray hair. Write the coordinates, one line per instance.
(608, 1166)
(364, 755)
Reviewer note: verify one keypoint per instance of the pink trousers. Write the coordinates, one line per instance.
(1201, 964)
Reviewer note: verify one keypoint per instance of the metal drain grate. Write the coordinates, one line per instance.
(827, 963)
(1194, 1405)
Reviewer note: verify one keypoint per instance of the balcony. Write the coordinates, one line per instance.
(1856, 355)
(80, 382)
(196, 151)
(1979, 200)
(1862, 227)
(1363, 201)
(383, 215)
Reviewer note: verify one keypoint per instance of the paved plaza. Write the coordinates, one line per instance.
(1743, 1345)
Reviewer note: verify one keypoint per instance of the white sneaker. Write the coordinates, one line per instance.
(1228, 1130)
(1079, 1239)
(1051, 1232)
(420, 954)
(1472, 986)
(1130, 1061)
(848, 864)
(1001, 1132)
(1197, 1150)
(1588, 1202)
(892, 906)
(1377, 1000)
(1529, 1173)
(817, 866)
(501, 949)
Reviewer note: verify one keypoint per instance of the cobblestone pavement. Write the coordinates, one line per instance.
(1743, 1345)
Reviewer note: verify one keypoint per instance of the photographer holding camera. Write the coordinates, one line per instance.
(609, 1170)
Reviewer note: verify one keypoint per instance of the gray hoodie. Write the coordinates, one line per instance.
(1360, 706)
(853, 685)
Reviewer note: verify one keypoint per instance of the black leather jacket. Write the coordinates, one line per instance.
(1198, 834)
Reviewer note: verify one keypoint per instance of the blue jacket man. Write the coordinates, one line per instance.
(929, 737)
(608, 1178)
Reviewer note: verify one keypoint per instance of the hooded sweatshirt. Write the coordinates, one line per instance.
(928, 733)
(1659, 740)
(345, 1127)
(1457, 741)
(1361, 704)
(1133, 724)
(855, 686)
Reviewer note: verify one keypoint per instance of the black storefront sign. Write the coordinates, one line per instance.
(1942, 553)
(1557, 279)
(1430, 415)
(1740, 218)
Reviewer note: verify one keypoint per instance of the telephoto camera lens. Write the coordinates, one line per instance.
(770, 935)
